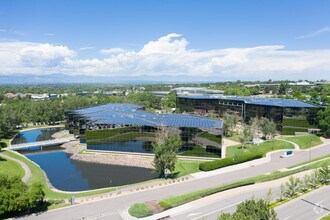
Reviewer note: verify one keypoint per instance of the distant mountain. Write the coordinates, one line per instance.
(20, 79)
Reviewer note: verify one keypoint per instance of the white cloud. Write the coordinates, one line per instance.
(315, 33)
(169, 56)
(86, 48)
(112, 51)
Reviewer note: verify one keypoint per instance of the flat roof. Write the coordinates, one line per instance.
(129, 114)
(293, 103)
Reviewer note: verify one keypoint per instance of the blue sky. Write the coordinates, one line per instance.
(104, 37)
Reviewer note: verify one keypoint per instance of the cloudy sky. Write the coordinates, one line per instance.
(219, 40)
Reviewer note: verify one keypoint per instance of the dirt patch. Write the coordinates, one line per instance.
(154, 206)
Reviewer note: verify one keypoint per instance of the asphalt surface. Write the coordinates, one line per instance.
(109, 208)
(311, 206)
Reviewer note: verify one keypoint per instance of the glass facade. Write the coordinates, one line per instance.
(287, 119)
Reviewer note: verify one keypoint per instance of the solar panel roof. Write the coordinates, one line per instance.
(260, 101)
(128, 114)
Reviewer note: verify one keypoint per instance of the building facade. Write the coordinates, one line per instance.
(289, 115)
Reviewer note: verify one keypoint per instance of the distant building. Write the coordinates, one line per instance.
(10, 95)
(289, 115)
(196, 91)
(39, 97)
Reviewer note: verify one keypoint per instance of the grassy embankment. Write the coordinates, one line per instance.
(262, 148)
(327, 217)
(11, 168)
(305, 141)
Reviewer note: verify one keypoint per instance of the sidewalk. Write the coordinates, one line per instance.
(27, 171)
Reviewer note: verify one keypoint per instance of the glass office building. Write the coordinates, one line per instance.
(128, 128)
(289, 115)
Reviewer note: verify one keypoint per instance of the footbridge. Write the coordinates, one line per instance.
(41, 143)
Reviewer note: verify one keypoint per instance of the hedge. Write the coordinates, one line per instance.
(212, 165)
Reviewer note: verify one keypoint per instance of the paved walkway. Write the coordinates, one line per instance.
(296, 146)
(27, 171)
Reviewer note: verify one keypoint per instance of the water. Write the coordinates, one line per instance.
(124, 146)
(72, 175)
(42, 134)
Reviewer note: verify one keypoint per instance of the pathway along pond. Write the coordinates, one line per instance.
(73, 175)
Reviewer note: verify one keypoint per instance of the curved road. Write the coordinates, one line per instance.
(110, 207)
(23, 165)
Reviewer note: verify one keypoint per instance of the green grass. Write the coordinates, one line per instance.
(298, 122)
(263, 148)
(291, 131)
(198, 151)
(11, 168)
(140, 210)
(305, 141)
(234, 137)
(185, 167)
(212, 137)
(307, 162)
(327, 217)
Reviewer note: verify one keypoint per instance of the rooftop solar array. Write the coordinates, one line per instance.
(293, 103)
(128, 114)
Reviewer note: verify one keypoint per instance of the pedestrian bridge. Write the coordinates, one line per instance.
(41, 143)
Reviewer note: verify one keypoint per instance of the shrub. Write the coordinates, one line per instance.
(212, 165)
(140, 210)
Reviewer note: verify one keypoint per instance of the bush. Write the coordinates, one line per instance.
(212, 165)
(140, 210)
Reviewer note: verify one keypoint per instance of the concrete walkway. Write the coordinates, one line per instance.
(27, 171)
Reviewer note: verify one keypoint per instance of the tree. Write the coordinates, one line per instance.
(230, 122)
(165, 149)
(283, 88)
(324, 175)
(323, 118)
(169, 101)
(282, 192)
(267, 127)
(246, 134)
(251, 210)
(292, 186)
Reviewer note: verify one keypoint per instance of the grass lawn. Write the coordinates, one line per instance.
(327, 217)
(264, 148)
(11, 168)
(185, 167)
(305, 141)
(198, 151)
(234, 137)
(292, 131)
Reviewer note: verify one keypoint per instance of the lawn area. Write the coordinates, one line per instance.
(198, 151)
(185, 167)
(306, 141)
(327, 217)
(140, 210)
(234, 137)
(212, 137)
(291, 131)
(307, 162)
(11, 168)
(263, 148)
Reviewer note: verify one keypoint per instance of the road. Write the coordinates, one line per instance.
(111, 206)
(311, 206)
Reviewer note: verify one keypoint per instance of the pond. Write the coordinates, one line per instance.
(73, 175)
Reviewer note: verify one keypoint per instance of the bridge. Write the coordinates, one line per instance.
(41, 143)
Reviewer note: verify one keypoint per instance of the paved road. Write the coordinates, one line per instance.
(23, 165)
(112, 205)
(311, 206)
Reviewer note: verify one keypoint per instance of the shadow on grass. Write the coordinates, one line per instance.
(41, 208)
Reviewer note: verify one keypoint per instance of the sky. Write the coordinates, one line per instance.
(157, 39)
